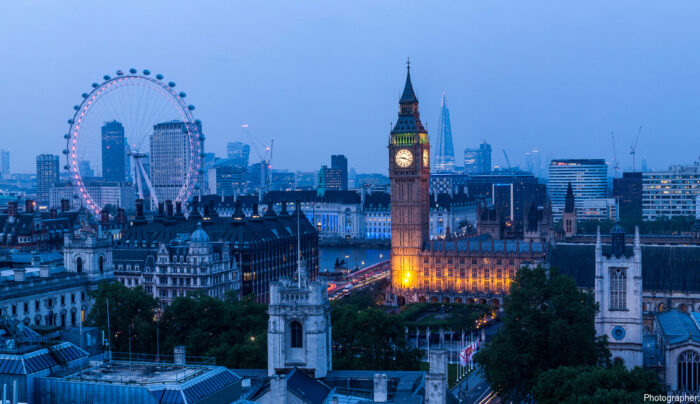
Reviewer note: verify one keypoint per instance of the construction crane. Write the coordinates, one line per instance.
(616, 165)
(265, 159)
(633, 149)
(507, 160)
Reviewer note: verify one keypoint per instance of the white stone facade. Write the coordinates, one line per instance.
(299, 328)
(618, 292)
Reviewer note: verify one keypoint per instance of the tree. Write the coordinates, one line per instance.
(231, 330)
(595, 385)
(370, 339)
(548, 323)
(131, 314)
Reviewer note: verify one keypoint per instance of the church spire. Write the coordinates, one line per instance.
(409, 118)
(408, 95)
(569, 201)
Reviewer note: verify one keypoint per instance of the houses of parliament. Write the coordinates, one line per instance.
(477, 269)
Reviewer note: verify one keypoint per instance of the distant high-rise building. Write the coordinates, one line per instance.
(444, 154)
(113, 152)
(238, 153)
(329, 178)
(282, 180)
(227, 178)
(169, 158)
(670, 193)
(588, 178)
(46, 176)
(628, 193)
(85, 169)
(478, 161)
(259, 176)
(306, 180)
(4, 164)
(340, 162)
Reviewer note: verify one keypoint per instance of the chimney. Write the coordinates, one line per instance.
(52, 213)
(178, 208)
(380, 388)
(28, 206)
(255, 210)
(179, 355)
(169, 208)
(139, 208)
(65, 205)
(12, 208)
(19, 274)
(121, 217)
(43, 271)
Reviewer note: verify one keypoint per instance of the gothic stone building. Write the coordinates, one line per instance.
(446, 270)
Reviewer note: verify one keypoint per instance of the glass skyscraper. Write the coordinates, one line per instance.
(46, 176)
(169, 159)
(113, 152)
(443, 152)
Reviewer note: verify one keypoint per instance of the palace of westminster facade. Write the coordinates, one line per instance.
(477, 269)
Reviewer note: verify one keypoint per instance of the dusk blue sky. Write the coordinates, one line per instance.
(324, 77)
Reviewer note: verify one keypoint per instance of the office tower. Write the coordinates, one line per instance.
(340, 162)
(670, 193)
(46, 176)
(113, 152)
(588, 178)
(444, 154)
(329, 178)
(85, 169)
(627, 191)
(282, 180)
(4, 164)
(306, 180)
(238, 153)
(227, 178)
(478, 161)
(259, 176)
(169, 159)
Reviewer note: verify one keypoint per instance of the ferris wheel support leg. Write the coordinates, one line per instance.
(154, 197)
(138, 177)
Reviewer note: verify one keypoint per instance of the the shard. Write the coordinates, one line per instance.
(444, 154)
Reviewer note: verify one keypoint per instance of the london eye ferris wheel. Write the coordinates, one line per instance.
(134, 130)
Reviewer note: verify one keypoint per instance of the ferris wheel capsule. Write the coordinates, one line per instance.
(95, 85)
(198, 122)
(171, 84)
(147, 72)
(182, 95)
(159, 76)
(120, 73)
(190, 107)
(106, 77)
(66, 136)
(201, 137)
(70, 121)
(64, 151)
(132, 71)
(85, 95)
(65, 167)
(76, 107)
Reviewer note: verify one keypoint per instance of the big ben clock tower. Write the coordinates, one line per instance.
(409, 174)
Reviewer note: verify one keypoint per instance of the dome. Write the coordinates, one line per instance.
(199, 235)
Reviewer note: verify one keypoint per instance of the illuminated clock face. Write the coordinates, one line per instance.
(404, 158)
(426, 158)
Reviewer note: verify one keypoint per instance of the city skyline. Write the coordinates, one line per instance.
(582, 85)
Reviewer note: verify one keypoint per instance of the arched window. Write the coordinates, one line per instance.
(297, 334)
(102, 264)
(688, 371)
(79, 265)
(618, 289)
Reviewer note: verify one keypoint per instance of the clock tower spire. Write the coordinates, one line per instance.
(409, 174)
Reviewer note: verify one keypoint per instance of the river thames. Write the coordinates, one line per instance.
(356, 256)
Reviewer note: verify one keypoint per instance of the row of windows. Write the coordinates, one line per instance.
(50, 302)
